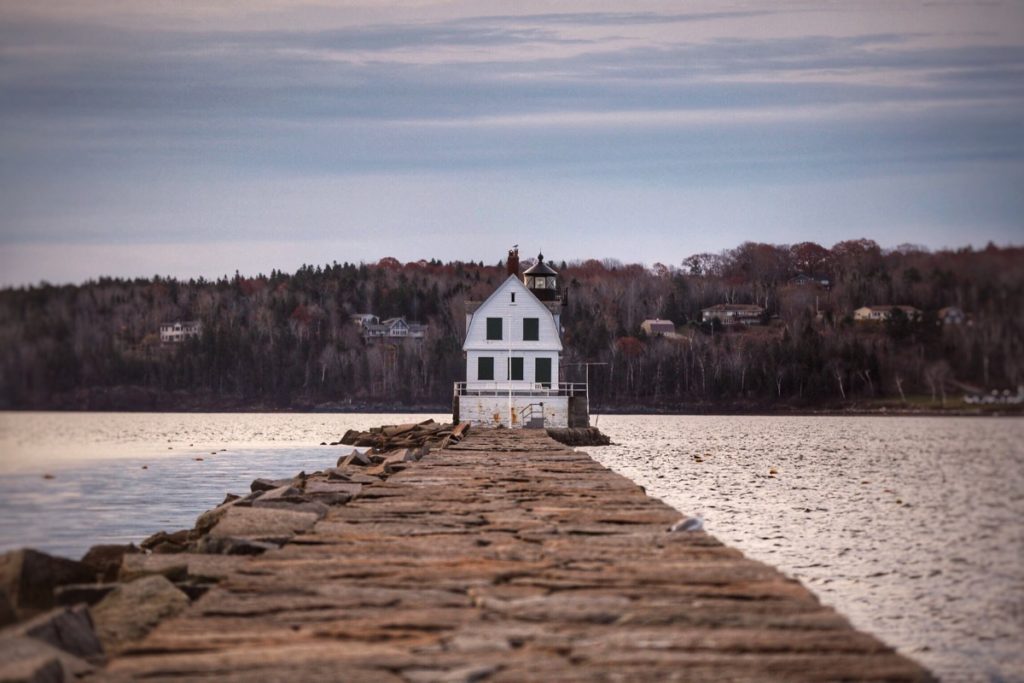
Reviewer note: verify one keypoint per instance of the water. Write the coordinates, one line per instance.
(119, 477)
(911, 527)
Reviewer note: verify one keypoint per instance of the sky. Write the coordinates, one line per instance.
(199, 138)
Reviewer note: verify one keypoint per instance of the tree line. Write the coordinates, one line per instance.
(286, 340)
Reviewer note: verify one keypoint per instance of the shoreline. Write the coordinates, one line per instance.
(885, 411)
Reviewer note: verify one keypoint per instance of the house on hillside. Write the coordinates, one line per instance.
(952, 315)
(392, 328)
(733, 314)
(513, 350)
(657, 327)
(363, 319)
(179, 331)
(804, 280)
(883, 313)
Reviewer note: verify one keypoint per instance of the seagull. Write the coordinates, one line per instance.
(688, 524)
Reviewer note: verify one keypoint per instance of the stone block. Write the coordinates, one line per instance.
(105, 560)
(29, 578)
(66, 628)
(269, 525)
(354, 459)
(31, 660)
(133, 609)
(87, 593)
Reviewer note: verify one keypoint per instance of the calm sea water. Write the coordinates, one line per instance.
(912, 527)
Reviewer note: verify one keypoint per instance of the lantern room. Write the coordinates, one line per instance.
(542, 280)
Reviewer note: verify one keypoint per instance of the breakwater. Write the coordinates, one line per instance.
(506, 556)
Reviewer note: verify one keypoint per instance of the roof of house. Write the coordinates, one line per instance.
(745, 308)
(889, 308)
(659, 324)
(552, 309)
(540, 268)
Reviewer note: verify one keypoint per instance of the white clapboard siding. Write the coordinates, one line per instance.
(499, 305)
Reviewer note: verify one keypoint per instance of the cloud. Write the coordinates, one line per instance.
(110, 133)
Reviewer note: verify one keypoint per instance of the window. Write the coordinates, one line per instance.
(485, 367)
(513, 297)
(515, 369)
(542, 371)
(531, 329)
(494, 328)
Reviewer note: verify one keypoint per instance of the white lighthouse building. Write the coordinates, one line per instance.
(513, 348)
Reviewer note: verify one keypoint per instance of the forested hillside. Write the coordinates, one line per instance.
(287, 341)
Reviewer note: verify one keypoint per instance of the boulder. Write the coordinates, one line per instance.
(173, 568)
(332, 493)
(397, 430)
(401, 455)
(381, 470)
(355, 458)
(337, 474)
(268, 484)
(133, 609)
(264, 525)
(163, 543)
(351, 436)
(31, 660)
(179, 568)
(88, 593)
(281, 493)
(105, 560)
(7, 615)
(66, 628)
(319, 508)
(28, 578)
(234, 546)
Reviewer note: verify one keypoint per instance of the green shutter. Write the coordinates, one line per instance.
(485, 367)
(531, 329)
(494, 328)
(542, 371)
(515, 370)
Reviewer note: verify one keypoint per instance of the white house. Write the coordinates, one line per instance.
(513, 348)
(392, 328)
(883, 313)
(733, 314)
(656, 326)
(179, 331)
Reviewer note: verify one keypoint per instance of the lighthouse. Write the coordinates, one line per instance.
(513, 349)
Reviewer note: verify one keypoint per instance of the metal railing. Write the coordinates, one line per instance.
(521, 389)
(531, 411)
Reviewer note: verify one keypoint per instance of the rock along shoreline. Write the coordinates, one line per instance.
(61, 619)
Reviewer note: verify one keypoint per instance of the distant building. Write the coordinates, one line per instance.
(657, 326)
(513, 352)
(391, 328)
(803, 280)
(179, 331)
(733, 314)
(951, 315)
(363, 319)
(883, 313)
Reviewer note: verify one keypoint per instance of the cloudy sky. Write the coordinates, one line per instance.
(198, 138)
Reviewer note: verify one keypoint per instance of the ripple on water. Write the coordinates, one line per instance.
(911, 527)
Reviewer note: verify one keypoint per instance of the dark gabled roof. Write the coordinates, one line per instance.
(540, 268)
